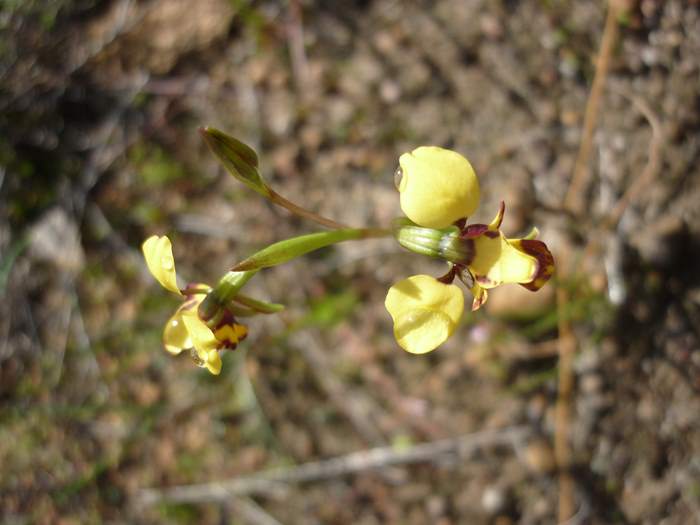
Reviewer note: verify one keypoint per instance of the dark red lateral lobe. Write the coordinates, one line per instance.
(545, 261)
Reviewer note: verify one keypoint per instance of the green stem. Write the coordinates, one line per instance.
(283, 251)
(303, 212)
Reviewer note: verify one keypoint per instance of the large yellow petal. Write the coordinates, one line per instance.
(438, 186)
(176, 338)
(213, 362)
(496, 261)
(425, 312)
(158, 252)
(203, 339)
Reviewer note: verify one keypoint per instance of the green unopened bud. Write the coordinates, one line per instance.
(239, 159)
(443, 244)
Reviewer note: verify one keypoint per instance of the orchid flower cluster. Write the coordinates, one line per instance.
(439, 191)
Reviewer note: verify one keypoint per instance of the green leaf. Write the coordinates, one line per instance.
(239, 159)
(283, 251)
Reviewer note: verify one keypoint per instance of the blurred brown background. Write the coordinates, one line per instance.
(100, 103)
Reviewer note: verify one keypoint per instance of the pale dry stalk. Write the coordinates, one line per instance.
(574, 202)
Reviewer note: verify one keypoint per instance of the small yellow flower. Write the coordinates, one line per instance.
(497, 260)
(425, 312)
(438, 186)
(439, 191)
(185, 330)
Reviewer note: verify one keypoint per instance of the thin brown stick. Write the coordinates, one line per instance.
(274, 480)
(562, 446)
(574, 199)
(574, 202)
(297, 53)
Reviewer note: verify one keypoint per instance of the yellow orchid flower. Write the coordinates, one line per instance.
(185, 330)
(497, 260)
(439, 191)
(425, 312)
(438, 186)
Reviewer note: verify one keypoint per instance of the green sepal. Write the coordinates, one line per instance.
(239, 159)
(283, 251)
(240, 311)
(257, 305)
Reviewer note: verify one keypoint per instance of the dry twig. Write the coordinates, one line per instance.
(574, 199)
(574, 202)
(375, 458)
(251, 512)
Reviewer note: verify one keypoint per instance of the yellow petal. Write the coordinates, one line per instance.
(158, 252)
(496, 261)
(438, 187)
(425, 312)
(203, 339)
(176, 338)
(230, 334)
(213, 362)
(498, 219)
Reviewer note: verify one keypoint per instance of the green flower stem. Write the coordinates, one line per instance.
(283, 251)
(225, 290)
(276, 198)
(231, 283)
(241, 161)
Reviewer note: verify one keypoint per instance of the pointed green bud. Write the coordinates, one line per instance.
(240, 160)
(283, 251)
(444, 244)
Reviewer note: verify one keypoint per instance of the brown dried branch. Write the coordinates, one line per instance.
(574, 202)
(574, 199)
(274, 480)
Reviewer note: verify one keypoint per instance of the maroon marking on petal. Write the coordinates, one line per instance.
(474, 230)
(482, 279)
(492, 234)
(227, 346)
(190, 302)
(226, 319)
(545, 262)
(449, 276)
